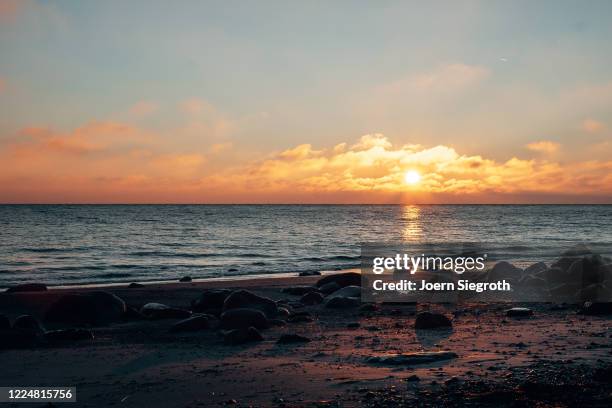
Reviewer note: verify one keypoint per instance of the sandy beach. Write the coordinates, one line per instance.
(555, 357)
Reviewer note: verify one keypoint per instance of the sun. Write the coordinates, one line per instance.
(412, 177)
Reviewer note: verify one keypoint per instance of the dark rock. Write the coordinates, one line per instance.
(243, 318)
(596, 308)
(347, 291)
(277, 322)
(328, 288)
(505, 270)
(340, 302)
(536, 268)
(310, 273)
(232, 270)
(412, 358)
(299, 290)
(243, 299)
(185, 279)
(369, 307)
(564, 263)
(135, 285)
(241, 336)
(312, 298)
(300, 317)
(18, 339)
(519, 312)
(156, 311)
(28, 287)
(283, 312)
(342, 279)
(413, 378)
(210, 299)
(66, 335)
(292, 338)
(27, 322)
(194, 323)
(5, 324)
(429, 320)
(92, 308)
(133, 314)
(353, 325)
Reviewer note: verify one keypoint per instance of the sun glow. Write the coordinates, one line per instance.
(412, 177)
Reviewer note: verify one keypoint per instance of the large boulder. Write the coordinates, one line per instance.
(241, 336)
(504, 271)
(243, 299)
(347, 291)
(91, 308)
(210, 300)
(243, 319)
(330, 287)
(27, 322)
(156, 311)
(299, 290)
(311, 298)
(27, 287)
(342, 302)
(194, 323)
(596, 308)
(429, 320)
(342, 279)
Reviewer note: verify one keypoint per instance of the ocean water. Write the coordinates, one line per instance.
(77, 244)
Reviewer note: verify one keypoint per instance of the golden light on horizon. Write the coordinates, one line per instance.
(412, 177)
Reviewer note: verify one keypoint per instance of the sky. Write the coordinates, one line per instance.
(305, 102)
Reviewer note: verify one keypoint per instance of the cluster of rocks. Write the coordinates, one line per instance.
(26, 332)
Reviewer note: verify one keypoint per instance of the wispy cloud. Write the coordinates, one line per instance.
(544, 146)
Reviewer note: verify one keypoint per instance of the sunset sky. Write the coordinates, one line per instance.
(305, 102)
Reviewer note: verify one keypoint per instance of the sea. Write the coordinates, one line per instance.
(100, 244)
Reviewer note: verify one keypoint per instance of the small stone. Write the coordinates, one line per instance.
(429, 320)
(310, 273)
(135, 285)
(185, 279)
(64, 335)
(28, 287)
(412, 358)
(292, 338)
(519, 312)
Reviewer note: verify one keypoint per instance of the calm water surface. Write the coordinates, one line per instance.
(65, 244)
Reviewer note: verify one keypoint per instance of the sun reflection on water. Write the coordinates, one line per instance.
(411, 219)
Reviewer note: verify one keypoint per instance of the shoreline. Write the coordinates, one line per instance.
(235, 278)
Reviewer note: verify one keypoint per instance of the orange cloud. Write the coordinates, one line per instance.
(143, 108)
(113, 162)
(544, 146)
(592, 126)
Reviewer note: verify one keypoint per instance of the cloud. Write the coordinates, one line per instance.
(114, 162)
(374, 166)
(592, 126)
(543, 146)
(143, 108)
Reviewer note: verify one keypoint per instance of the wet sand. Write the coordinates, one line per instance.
(555, 358)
